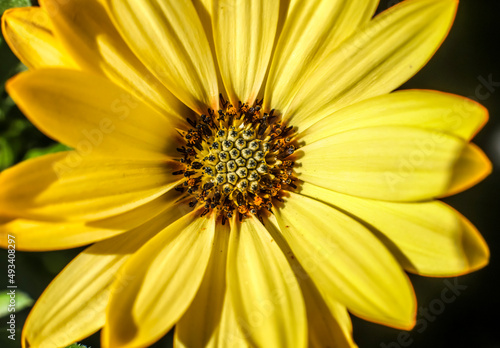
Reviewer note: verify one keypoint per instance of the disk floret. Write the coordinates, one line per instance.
(237, 161)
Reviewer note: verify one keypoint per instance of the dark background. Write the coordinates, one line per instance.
(468, 56)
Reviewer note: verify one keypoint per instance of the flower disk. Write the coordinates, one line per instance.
(237, 160)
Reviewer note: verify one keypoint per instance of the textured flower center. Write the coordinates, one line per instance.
(237, 160)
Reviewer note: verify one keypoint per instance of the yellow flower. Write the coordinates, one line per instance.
(319, 210)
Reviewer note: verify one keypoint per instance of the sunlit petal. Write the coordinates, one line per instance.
(377, 59)
(312, 30)
(428, 238)
(388, 163)
(244, 34)
(328, 244)
(165, 275)
(93, 115)
(264, 293)
(73, 305)
(168, 38)
(28, 32)
(65, 186)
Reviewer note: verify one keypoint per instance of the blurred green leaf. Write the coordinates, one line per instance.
(77, 345)
(16, 128)
(6, 4)
(46, 150)
(5, 106)
(22, 301)
(8, 66)
(6, 154)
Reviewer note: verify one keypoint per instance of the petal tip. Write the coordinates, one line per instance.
(475, 247)
(472, 167)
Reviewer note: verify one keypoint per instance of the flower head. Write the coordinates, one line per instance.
(242, 167)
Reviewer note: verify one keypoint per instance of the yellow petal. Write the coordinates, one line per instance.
(93, 115)
(199, 326)
(263, 290)
(244, 34)
(28, 32)
(329, 324)
(73, 305)
(471, 168)
(433, 110)
(88, 34)
(169, 39)
(229, 334)
(388, 163)
(427, 238)
(164, 277)
(377, 59)
(204, 8)
(475, 248)
(34, 235)
(312, 30)
(347, 262)
(65, 186)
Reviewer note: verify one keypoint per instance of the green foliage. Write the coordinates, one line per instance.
(77, 345)
(22, 301)
(6, 4)
(46, 150)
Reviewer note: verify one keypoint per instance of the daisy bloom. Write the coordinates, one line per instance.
(241, 168)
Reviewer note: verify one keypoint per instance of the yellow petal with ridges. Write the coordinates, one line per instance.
(73, 305)
(428, 238)
(28, 32)
(230, 335)
(204, 6)
(169, 39)
(204, 10)
(471, 168)
(88, 34)
(244, 33)
(329, 324)
(377, 59)
(66, 186)
(476, 249)
(433, 110)
(93, 115)
(264, 293)
(312, 30)
(199, 326)
(164, 277)
(328, 244)
(392, 163)
(35, 235)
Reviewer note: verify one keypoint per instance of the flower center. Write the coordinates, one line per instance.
(237, 161)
